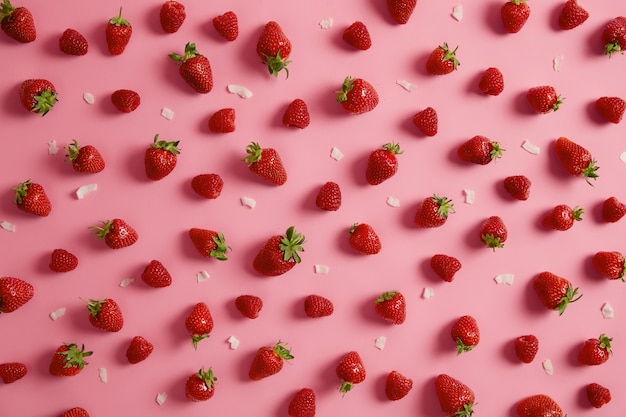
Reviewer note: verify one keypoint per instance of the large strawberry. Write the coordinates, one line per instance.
(160, 158)
(357, 96)
(138, 349)
(433, 212)
(350, 371)
(613, 210)
(514, 15)
(397, 386)
(85, 159)
(268, 361)
(543, 99)
(12, 371)
(562, 217)
(572, 15)
(68, 360)
(479, 150)
(200, 386)
(62, 261)
(575, 159)
(382, 163)
(363, 238)
(17, 22)
(14, 293)
(116, 233)
(38, 95)
(118, 32)
(302, 404)
(493, 232)
(227, 25)
(598, 395)
(266, 164)
(538, 405)
(274, 48)
(609, 264)
(171, 16)
(105, 314)
(465, 333)
(555, 292)
(209, 243)
(401, 10)
(195, 68)
(442, 60)
(455, 398)
(156, 275)
(279, 253)
(199, 323)
(391, 306)
(31, 198)
(595, 351)
(614, 36)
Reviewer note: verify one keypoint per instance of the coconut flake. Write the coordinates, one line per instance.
(126, 282)
(8, 226)
(393, 202)
(203, 276)
(470, 196)
(428, 293)
(380, 342)
(161, 397)
(457, 12)
(622, 157)
(82, 191)
(52, 147)
(505, 279)
(547, 366)
(406, 85)
(234, 342)
(59, 312)
(336, 154)
(240, 90)
(326, 23)
(607, 311)
(322, 269)
(167, 113)
(102, 373)
(557, 62)
(89, 98)
(248, 202)
(530, 147)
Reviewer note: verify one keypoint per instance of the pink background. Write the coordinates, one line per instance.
(162, 212)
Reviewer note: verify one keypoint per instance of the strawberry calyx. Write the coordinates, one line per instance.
(346, 87)
(557, 103)
(291, 244)
(570, 297)
(6, 8)
(44, 101)
(612, 47)
(577, 213)
(276, 64)
(518, 2)
(492, 241)
(207, 377)
(590, 172)
(280, 350)
(74, 357)
(496, 151)
(165, 145)
(450, 55)
(196, 338)
(102, 231)
(94, 306)
(466, 411)
(221, 248)
(345, 387)
(21, 191)
(72, 151)
(462, 347)
(190, 52)
(445, 206)
(119, 20)
(254, 152)
(605, 343)
(393, 148)
(386, 296)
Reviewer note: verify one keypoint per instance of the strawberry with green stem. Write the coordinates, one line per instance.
(575, 159)
(194, 68)
(614, 36)
(610, 264)
(351, 371)
(266, 164)
(116, 233)
(455, 398)
(433, 212)
(17, 22)
(442, 60)
(382, 163)
(480, 150)
(160, 158)
(209, 243)
(544, 99)
(274, 48)
(85, 159)
(391, 306)
(555, 292)
(38, 95)
(31, 198)
(357, 96)
(562, 217)
(268, 361)
(200, 386)
(363, 238)
(118, 32)
(595, 351)
(493, 232)
(68, 360)
(199, 323)
(465, 333)
(105, 314)
(279, 254)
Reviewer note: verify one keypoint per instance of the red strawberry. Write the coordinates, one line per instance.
(427, 121)
(62, 261)
(268, 361)
(227, 25)
(297, 114)
(514, 15)
(350, 371)
(68, 360)
(116, 233)
(223, 120)
(12, 371)
(493, 232)
(199, 323)
(75, 412)
(14, 293)
(125, 101)
(401, 10)
(200, 386)
(156, 275)
(538, 405)
(302, 404)
(249, 305)
(597, 394)
(274, 48)
(357, 96)
(611, 108)
(455, 398)
(442, 60)
(543, 99)
(445, 266)
(575, 159)
(38, 95)
(391, 306)
(614, 36)
(363, 239)
(595, 351)
(31, 198)
(562, 217)
(209, 243)
(266, 164)
(479, 150)
(555, 292)
(138, 349)
(279, 254)
(105, 314)
(491, 82)
(84, 159)
(172, 15)
(17, 22)
(397, 386)
(329, 196)
(317, 306)
(357, 36)
(72, 42)
(465, 333)
(207, 185)
(572, 15)
(433, 211)
(160, 158)
(118, 32)
(195, 69)
(526, 347)
(613, 210)
(382, 164)
(518, 186)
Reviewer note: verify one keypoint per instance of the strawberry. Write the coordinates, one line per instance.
(572, 15)
(427, 121)
(401, 10)
(538, 405)
(543, 99)
(555, 292)
(62, 261)
(317, 306)
(223, 120)
(382, 164)
(445, 266)
(363, 238)
(455, 398)
(614, 36)
(68, 360)
(84, 159)
(357, 96)
(613, 210)
(38, 95)
(12, 371)
(597, 394)
(138, 349)
(105, 314)
(329, 196)
(442, 60)
(72, 42)
(526, 347)
(575, 159)
(118, 32)
(562, 217)
(207, 185)
(493, 232)
(199, 323)
(194, 68)
(17, 22)
(302, 404)
(160, 158)
(350, 371)
(479, 150)
(518, 186)
(31, 198)
(296, 114)
(14, 293)
(172, 16)
(465, 334)
(279, 253)
(209, 243)
(514, 15)
(611, 108)
(357, 36)
(125, 101)
(268, 361)
(156, 275)
(116, 233)
(227, 25)
(249, 305)
(595, 351)
(75, 412)
(265, 163)
(391, 306)
(491, 82)
(274, 48)
(200, 386)
(397, 386)
(433, 212)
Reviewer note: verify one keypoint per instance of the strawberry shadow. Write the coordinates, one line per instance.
(473, 86)
(13, 107)
(572, 354)
(594, 116)
(590, 272)
(379, 388)
(42, 362)
(176, 390)
(473, 239)
(96, 39)
(380, 8)
(427, 271)
(135, 163)
(359, 166)
(308, 202)
(595, 212)
(582, 400)
(369, 313)
(297, 310)
(534, 306)
(521, 105)
(508, 353)
(283, 404)
(420, 63)
(328, 95)
(493, 17)
(328, 381)
(595, 48)
(244, 366)
(554, 17)
(428, 402)
(443, 343)
(409, 127)
(152, 20)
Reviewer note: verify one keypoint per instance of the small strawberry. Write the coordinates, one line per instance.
(118, 32)
(391, 306)
(455, 398)
(138, 349)
(597, 394)
(562, 217)
(555, 292)
(14, 293)
(427, 121)
(84, 159)
(357, 36)
(116, 233)
(266, 164)
(199, 323)
(160, 158)
(397, 386)
(297, 114)
(279, 254)
(172, 16)
(401, 10)
(575, 159)
(62, 261)
(72, 42)
(317, 306)
(302, 404)
(200, 386)
(526, 347)
(518, 186)
(613, 210)
(68, 360)
(442, 60)
(38, 95)
(12, 371)
(31, 198)
(611, 108)
(350, 371)
(514, 15)
(17, 22)
(445, 266)
(363, 238)
(227, 25)
(194, 68)
(538, 405)
(465, 334)
(223, 120)
(268, 361)
(543, 99)
(274, 48)
(493, 232)
(614, 36)
(382, 164)
(105, 314)
(156, 275)
(249, 305)
(479, 150)
(595, 351)
(433, 212)
(491, 82)
(75, 412)
(207, 185)
(125, 101)
(357, 96)
(209, 243)
(329, 196)
(572, 15)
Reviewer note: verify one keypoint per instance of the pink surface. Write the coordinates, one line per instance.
(162, 212)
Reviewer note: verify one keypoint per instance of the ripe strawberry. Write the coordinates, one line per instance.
(329, 196)
(526, 347)
(465, 334)
(518, 186)
(611, 108)
(249, 305)
(493, 232)
(491, 82)
(543, 99)
(156, 275)
(14, 293)
(279, 254)
(575, 159)
(445, 266)
(479, 150)
(357, 96)
(455, 398)
(538, 405)
(172, 15)
(84, 159)
(223, 120)
(363, 239)
(31, 198)
(12, 371)
(209, 243)
(297, 114)
(118, 32)
(357, 36)
(401, 10)
(138, 349)
(391, 306)
(116, 233)
(350, 371)
(200, 386)
(595, 351)
(397, 386)
(75, 412)
(427, 121)
(17, 22)
(38, 95)
(199, 323)
(194, 68)
(207, 185)
(442, 60)
(562, 217)
(160, 158)
(266, 164)
(597, 394)
(105, 314)
(227, 25)
(68, 360)
(433, 211)
(317, 306)
(614, 36)
(125, 101)
(382, 164)
(268, 360)
(514, 15)
(555, 292)
(274, 48)
(62, 261)
(302, 404)
(613, 210)
(72, 42)
(572, 15)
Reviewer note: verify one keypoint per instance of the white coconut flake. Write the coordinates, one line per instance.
(167, 113)
(82, 191)
(203, 276)
(248, 202)
(506, 279)
(234, 342)
(240, 90)
(457, 12)
(126, 282)
(547, 367)
(380, 342)
(607, 311)
(53, 149)
(470, 196)
(89, 98)
(393, 202)
(321, 269)
(428, 293)
(8, 226)
(530, 147)
(326, 23)
(161, 397)
(58, 313)
(622, 157)
(336, 154)
(557, 62)
(102, 373)
(406, 85)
